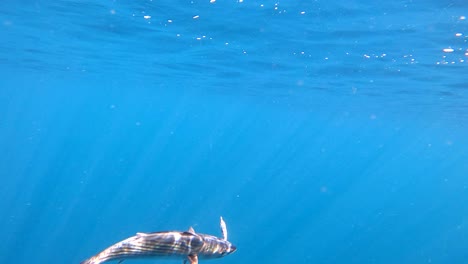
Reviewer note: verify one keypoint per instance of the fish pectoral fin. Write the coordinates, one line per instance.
(193, 259)
(120, 261)
(222, 224)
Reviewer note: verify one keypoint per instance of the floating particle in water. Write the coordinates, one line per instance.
(458, 34)
(448, 50)
(146, 17)
(196, 17)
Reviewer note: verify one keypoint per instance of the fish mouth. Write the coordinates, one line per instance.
(232, 249)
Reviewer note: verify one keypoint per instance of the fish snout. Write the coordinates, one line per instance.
(232, 248)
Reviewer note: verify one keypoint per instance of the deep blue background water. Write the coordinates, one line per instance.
(322, 131)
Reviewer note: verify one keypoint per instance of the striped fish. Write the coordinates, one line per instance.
(188, 246)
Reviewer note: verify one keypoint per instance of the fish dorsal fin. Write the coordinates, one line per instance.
(222, 224)
(190, 231)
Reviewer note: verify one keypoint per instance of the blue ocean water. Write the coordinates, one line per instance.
(322, 131)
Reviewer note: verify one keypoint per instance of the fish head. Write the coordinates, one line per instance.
(228, 249)
(216, 248)
(224, 249)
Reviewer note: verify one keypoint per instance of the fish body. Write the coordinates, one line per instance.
(188, 246)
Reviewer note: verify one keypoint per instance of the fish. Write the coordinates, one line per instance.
(187, 245)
